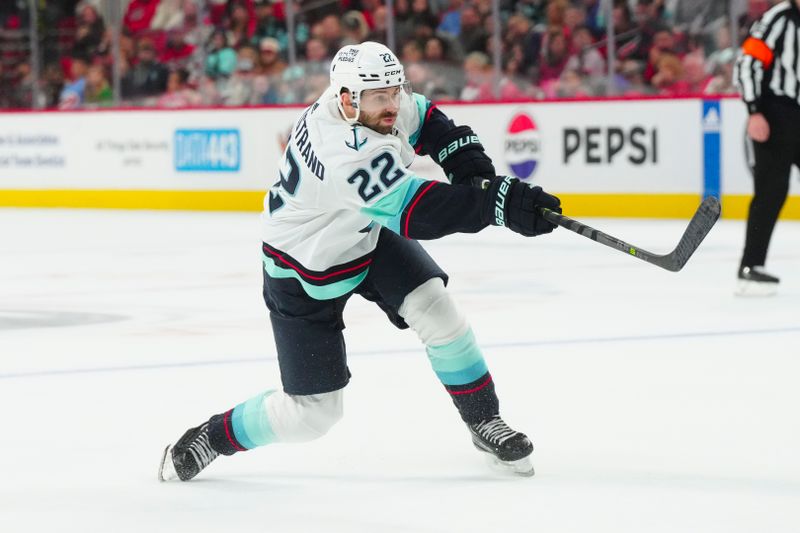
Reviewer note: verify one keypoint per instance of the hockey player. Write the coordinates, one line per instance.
(343, 219)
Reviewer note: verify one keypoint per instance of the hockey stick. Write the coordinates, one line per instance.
(703, 220)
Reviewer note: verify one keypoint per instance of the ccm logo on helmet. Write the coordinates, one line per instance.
(392, 72)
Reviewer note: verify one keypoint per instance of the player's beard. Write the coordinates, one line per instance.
(373, 121)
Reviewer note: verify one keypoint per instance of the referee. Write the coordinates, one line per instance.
(768, 75)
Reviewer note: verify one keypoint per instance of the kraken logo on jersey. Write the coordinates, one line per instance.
(356, 145)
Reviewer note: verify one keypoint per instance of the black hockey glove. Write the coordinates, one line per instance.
(461, 156)
(514, 204)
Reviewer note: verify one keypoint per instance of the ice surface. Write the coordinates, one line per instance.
(656, 401)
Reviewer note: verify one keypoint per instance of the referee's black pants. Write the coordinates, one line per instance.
(773, 164)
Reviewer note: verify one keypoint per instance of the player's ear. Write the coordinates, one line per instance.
(347, 103)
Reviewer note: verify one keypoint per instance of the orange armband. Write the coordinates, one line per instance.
(758, 49)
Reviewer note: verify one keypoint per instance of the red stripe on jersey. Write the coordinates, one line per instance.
(413, 205)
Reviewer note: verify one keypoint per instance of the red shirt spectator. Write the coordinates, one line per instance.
(177, 50)
(555, 57)
(139, 15)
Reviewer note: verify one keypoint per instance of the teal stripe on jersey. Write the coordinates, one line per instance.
(389, 210)
(422, 104)
(458, 362)
(318, 292)
(250, 422)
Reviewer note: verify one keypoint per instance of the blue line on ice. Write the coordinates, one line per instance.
(356, 353)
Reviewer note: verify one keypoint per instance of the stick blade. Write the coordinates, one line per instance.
(703, 220)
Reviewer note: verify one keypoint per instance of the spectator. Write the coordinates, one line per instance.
(179, 94)
(378, 32)
(367, 8)
(24, 82)
(574, 17)
(628, 39)
(422, 20)
(721, 69)
(472, 36)
(354, 28)
(271, 63)
(520, 33)
(478, 85)
(139, 15)
(484, 9)
(98, 90)
(195, 34)
(170, 14)
(240, 26)
(532, 10)
(663, 43)
(412, 53)
(510, 88)
(435, 50)
(419, 76)
(555, 14)
(451, 18)
(411, 15)
(220, 58)
(630, 80)
(247, 85)
(554, 58)
(317, 56)
(73, 93)
(194, 30)
(90, 32)
(585, 58)
(594, 17)
(329, 32)
(571, 85)
(292, 87)
(52, 84)
(694, 73)
(723, 46)
(269, 24)
(650, 12)
(177, 52)
(147, 77)
(668, 79)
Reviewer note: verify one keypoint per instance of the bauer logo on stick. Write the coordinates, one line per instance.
(523, 146)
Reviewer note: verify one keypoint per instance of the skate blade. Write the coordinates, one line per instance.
(166, 470)
(756, 288)
(521, 467)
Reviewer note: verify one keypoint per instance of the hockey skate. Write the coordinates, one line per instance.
(186, 458)
(753, 281)
(507, 449)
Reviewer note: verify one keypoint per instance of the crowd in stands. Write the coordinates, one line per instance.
(184, 53)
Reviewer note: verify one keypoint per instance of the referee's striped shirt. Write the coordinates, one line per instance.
(770, 60)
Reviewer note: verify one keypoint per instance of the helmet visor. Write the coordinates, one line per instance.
(384, 99)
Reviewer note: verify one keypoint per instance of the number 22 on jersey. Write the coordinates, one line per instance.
(389, 175)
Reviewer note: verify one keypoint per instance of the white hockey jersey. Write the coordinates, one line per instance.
(338, 184)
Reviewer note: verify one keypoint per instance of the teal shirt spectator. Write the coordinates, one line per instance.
(220, 63)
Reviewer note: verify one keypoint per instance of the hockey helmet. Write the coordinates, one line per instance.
(365, 66)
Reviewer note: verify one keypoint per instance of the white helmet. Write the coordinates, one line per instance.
(364, 66)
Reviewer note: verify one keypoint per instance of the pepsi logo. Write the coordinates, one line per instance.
(523, 146)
